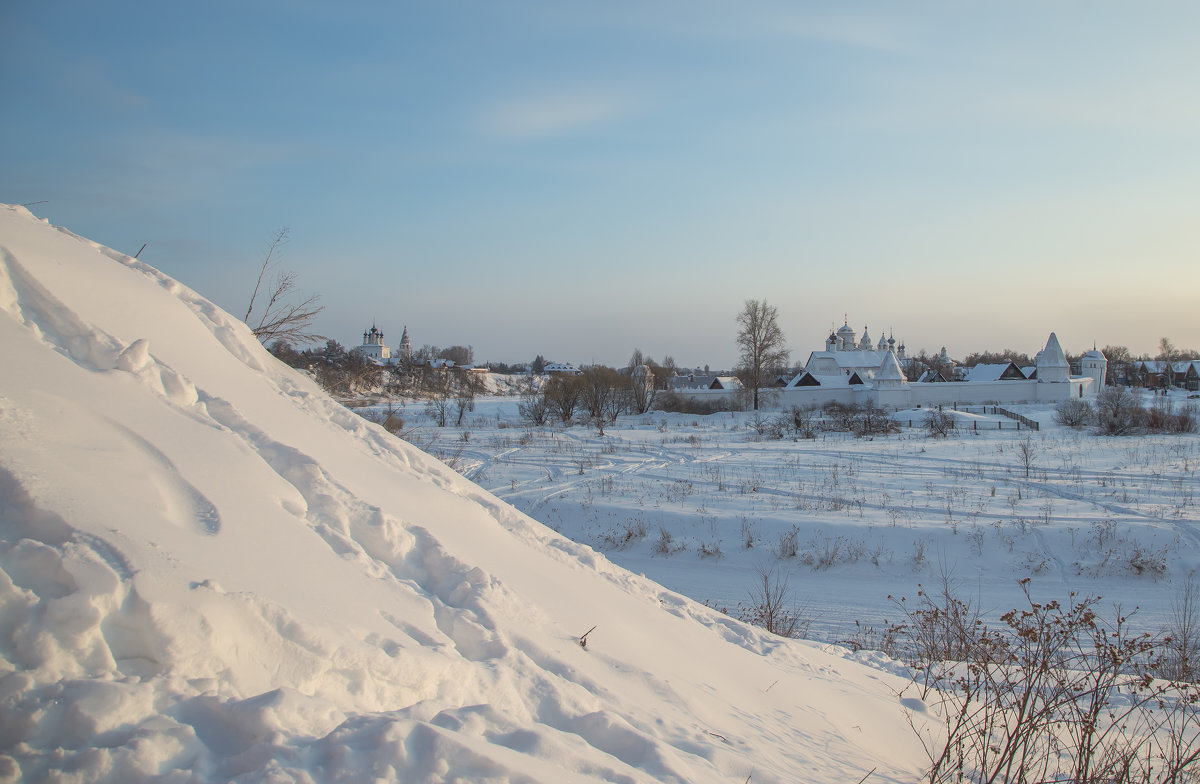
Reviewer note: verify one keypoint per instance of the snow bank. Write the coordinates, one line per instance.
(210, 571)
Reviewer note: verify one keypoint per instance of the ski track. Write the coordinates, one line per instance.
(926, 467)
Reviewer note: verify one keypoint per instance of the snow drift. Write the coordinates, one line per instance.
(210, 571)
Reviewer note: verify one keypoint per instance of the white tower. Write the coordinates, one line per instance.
(405, 350)
(1052, 365)
(889, 375)
(1094, 365)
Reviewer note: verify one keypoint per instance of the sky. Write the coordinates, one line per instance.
(578, 180)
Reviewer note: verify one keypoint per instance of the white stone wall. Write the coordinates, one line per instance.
(925, 395)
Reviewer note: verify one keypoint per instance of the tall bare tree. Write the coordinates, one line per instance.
(1119, 361)
(762, 348)
(282, 318)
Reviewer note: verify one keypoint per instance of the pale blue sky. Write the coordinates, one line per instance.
(577, 179)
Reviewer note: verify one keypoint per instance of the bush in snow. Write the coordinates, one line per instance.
(1118, 411)
(772, 607)
(939, 423)
(1052, 693)
(1073, 413)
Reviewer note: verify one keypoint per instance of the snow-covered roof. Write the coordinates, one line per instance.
(691, 381)
(1052, 355)
(889, 369)
(994, 371)
(822, 379)
(823, 361)
(1181, 366)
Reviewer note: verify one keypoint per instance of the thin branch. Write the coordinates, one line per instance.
(276, 241)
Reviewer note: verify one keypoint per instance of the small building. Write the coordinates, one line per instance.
(995, 371)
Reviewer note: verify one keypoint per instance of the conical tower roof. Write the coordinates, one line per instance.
(889, 369)
(1053, 355)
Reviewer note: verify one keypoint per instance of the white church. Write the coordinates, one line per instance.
(376, 350)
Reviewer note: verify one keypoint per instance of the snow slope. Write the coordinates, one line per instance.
(212, 572)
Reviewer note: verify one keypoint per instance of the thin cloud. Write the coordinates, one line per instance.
(555, 115)
(860, 31)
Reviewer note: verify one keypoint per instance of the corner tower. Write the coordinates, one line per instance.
(1052, 365)
(1094, 365)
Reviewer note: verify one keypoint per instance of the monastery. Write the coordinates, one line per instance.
(854, 370)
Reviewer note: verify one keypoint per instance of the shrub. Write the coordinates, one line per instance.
(1181, 638)
(871, 420)
(627, 532)
(768, 427)
(803, 421)
(788, 546)
(861, 420)
(534, 409)
(772, 607)
(665, 544)
(939, 423)
(1118, 411)
(1054, 693)
(674, 402)
(1073, 413)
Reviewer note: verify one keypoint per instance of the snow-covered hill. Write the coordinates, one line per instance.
(213, 572)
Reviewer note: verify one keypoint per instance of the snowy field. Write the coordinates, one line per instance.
(700, 504)
(210, 571)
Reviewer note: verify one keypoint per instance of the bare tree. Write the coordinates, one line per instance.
(762, 348)
(563, 394)
(467, 387)
(1027, 452)
(1167, 355)
(440, 390)
(282, 318)
(1181, 658)
(534, 408)
(1119, 361)
(599, 392)
(643, 386)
